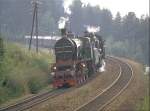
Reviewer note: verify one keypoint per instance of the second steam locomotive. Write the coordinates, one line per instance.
(77, 58)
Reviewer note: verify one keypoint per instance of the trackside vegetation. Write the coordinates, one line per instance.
(1, 50)
(144, 106)
(22, 72)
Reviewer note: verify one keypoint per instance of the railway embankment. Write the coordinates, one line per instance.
(23, 73)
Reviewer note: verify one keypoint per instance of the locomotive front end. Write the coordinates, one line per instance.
(63, 70)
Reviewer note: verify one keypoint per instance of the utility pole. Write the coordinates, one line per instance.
(34, 24)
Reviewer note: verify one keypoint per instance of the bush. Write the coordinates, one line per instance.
(37, 81)
(35, 85)
(10, 88)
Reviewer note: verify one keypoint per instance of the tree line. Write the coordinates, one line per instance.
(126, 36)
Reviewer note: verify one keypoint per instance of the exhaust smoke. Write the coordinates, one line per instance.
(102, 69)
(93, 29)
(66, 5)
(62, 22)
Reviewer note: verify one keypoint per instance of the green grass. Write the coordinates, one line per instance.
(23, 72)
(145, 105)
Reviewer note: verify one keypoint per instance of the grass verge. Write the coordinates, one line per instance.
(23, 72)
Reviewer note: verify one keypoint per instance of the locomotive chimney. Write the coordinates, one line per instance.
(63, 32)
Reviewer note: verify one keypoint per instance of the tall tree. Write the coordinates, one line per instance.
(76, 18)
(130, 25)
(106, 22)
(117, 27)
(1, 50)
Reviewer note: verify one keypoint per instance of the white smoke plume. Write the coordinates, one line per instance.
(67, 10)
(93, 29)
(66, 5)
(62, 22)
(102, 69)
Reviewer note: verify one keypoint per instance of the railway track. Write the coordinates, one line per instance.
(111, 92)
(29, 102)
(95, 104)
(34, 100)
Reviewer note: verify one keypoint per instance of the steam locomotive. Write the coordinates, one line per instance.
(77, 58)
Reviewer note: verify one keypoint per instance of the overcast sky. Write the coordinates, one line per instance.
(123, 6)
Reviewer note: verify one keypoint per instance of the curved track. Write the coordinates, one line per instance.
(96, 104)
(111, 92)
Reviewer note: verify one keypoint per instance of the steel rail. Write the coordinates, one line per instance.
(121, 90)
(29, 102)
(112, 91)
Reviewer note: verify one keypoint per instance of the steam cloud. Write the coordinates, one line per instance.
(62, 22)
(93, 29)
(102, 69)
(66, 5)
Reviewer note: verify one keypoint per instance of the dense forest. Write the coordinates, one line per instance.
(126, 36)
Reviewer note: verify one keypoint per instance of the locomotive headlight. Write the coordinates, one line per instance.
(100, 50)
(83, 65)
(54, 68)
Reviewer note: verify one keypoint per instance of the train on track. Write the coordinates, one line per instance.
(77, 58)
